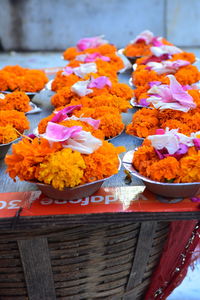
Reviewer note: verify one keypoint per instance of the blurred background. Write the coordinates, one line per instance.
(56, 25)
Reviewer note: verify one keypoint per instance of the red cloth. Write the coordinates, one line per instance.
(172, 268)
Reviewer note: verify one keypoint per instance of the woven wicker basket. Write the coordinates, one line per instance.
(109, 261)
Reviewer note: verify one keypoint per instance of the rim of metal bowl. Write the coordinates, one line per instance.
(127, 163)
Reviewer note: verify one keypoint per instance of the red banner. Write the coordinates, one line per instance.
(116, 199)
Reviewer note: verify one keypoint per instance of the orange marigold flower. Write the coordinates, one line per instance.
(4, 78)
(110, 119)
(189, 56)
(195, 95)
(137, 49)
(72, 52)
(62, 169)
(43, 123)
(185, 75)
(190, 168)
(16, 100)
(141, 89)
(144, 157)
(175, 124)
(144, 123)
(61, 81)
(164, 170)
(63, 97)
(26, 157)
(7, 134)
(85, 126)
(103, 100)
(121, 90)
(23, 79)
(101, 164)
(15, 118)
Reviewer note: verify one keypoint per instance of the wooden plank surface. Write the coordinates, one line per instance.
(37, 268)
(141, 257)
(45, 221)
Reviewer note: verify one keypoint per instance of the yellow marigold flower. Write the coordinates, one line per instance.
(190, 167)
(62, 169)
(7, 134)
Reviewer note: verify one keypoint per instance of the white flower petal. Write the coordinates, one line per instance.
(80, 88)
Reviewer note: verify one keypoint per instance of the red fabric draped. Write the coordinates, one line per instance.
(176, 257)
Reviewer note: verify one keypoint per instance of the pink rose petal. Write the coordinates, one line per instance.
(152, 83)
(196, 143)
(143, 102)
(92, 42)
(145, 36)
(63, 113)
(59, 133)
(93, 56)
(160, 131)
(67, 71)
(179, 94)
(156, 42)
(100, 82)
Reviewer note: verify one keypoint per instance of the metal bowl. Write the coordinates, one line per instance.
(127, 64)
(35, 109)
(5, 147)
(30, 94)
(168, 190)
(132, 59)
(80, 191)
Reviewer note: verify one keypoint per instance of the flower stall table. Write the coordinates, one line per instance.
(105, 246)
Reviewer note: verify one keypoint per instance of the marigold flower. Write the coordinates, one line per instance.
(175, 124)
(7, 134)
(164, 170)
(144, 123)
(17, 101)
(185, 75)
(101, 164)
(144, 157)
(190, 168)
(15, 118)
(22, 79)
(137, 49)
(62, 169)
(26, 157)
(72, 52)
(110, 119)
(189, 56)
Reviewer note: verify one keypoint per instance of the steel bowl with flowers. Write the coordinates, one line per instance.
(103, 122)
(19, 101)
(64, 162)
(12, 125)
(16, 78)
(168, 163)
(171, 105)
(96, 44)
(142, 45)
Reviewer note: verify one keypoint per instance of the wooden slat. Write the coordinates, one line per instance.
(37, 268)
(141, 257)
(104, 218)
